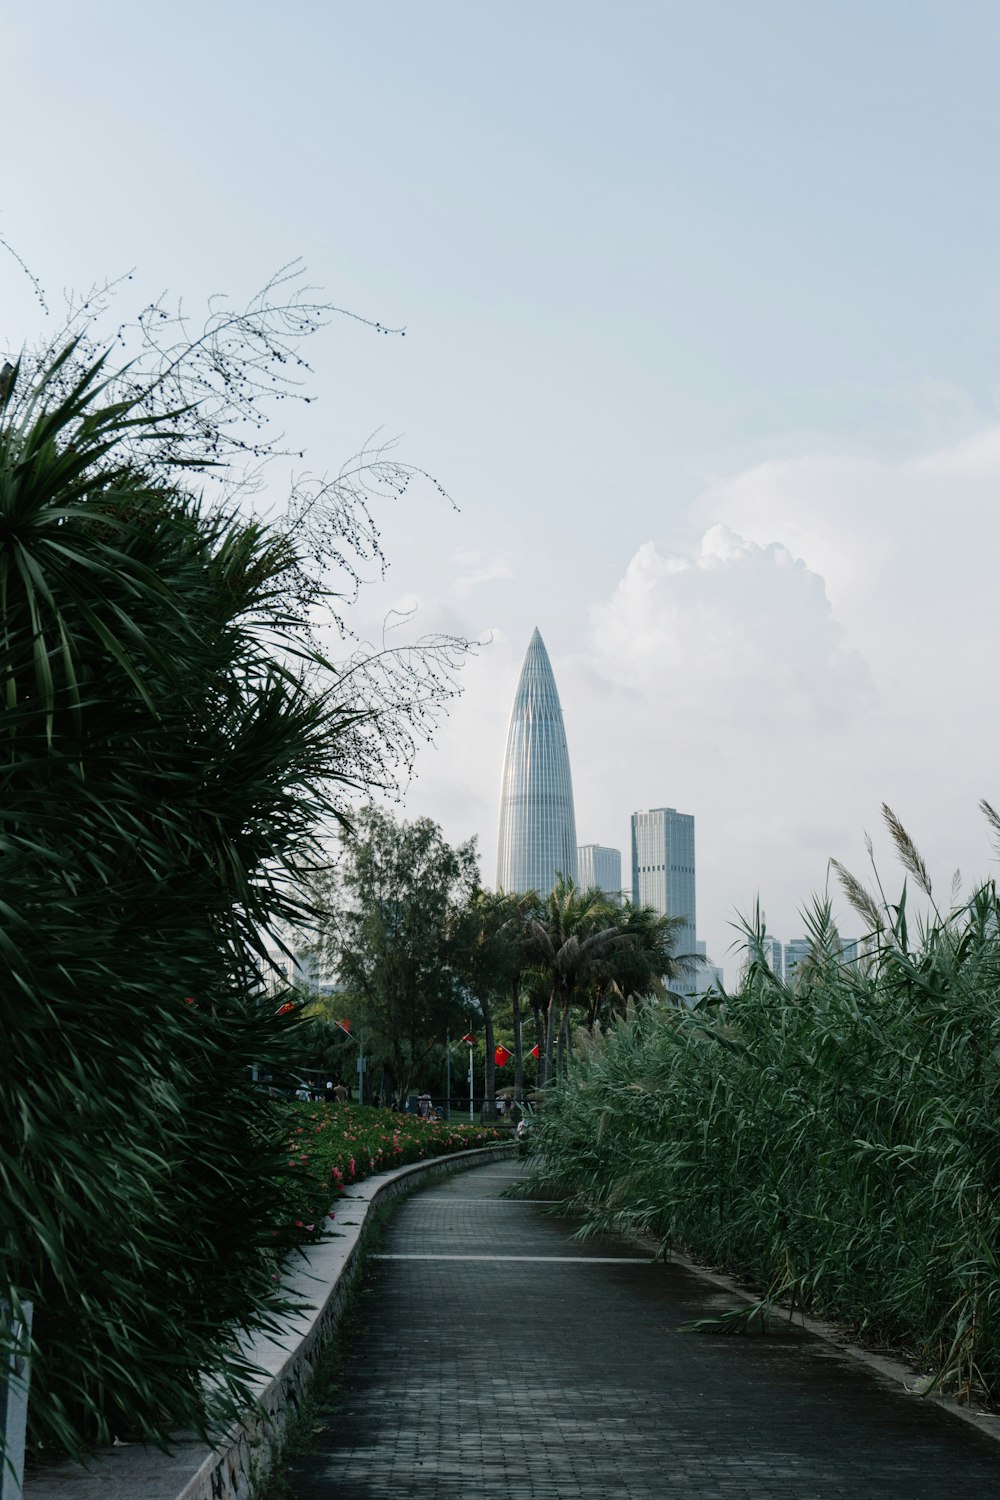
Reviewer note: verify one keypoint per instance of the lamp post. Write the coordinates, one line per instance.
(472, 1080)
(469, 1041)
(362, 1060)
(345, 1027)
(447, 1077)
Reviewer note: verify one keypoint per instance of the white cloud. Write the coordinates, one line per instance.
(741, 634)
(826, 645)
(478, 570)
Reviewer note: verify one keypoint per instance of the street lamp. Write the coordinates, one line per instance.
(345, 1027)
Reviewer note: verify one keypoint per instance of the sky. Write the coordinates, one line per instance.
(701, 307)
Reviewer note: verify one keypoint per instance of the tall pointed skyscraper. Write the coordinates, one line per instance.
(537, 838)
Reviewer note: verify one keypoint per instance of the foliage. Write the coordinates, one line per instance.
(838, 1142)
(331, 1146)
(169, 740)
(489, 937)
(587, 948)
(385, 925)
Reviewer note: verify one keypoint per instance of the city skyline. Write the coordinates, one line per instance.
(718, 412)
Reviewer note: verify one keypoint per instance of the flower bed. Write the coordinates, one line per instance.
(331, 1146)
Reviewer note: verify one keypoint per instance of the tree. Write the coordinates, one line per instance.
(171, 739)
(643, 963)
(574, 929)
(587, 948)
(489, 942)
(387, 920)
(162, 771)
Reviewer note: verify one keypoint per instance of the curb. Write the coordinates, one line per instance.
(234, 1468)
(893, 1370)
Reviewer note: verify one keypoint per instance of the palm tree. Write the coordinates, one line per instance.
(523, 908)
(574, 930)
(492, 939)
(593, 951)
(642, 963)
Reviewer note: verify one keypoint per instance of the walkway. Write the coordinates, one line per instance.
(499, 1359)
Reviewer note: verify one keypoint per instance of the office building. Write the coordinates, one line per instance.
(597, 865)
(537, 834)
(773, 955)
(796, 952)
(707, 976)
(663, 868)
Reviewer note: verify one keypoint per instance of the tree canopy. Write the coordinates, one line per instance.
(171, 741)
(589, 950)
(387, 927)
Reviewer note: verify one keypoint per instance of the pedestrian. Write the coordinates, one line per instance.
(340, 1092)
(424, 1106)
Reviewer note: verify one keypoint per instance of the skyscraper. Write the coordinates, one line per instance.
(537, 837)
(600, 866)
(663, 868)
(796, 953)
(774, 956)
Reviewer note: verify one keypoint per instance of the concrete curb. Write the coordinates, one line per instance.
(893, 1370)
(233, 1469)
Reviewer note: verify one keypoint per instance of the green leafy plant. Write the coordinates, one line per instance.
(332, 1146)
(835, 1139)
(171, 740)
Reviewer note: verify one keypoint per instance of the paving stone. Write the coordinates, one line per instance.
(566, 1377)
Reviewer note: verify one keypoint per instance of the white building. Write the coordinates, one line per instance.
(537, 836)
(663, 869)
(600, 866)
(663, 873)
(705, 977)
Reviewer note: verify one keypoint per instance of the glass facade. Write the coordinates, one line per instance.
(537, 837)
(663, 868)
(600, 866)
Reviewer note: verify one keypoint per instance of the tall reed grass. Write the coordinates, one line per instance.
(836, 1139)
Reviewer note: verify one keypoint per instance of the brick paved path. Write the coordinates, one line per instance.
(501, 1360)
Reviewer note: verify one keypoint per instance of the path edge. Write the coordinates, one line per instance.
(235, 1468)
(896, 1371)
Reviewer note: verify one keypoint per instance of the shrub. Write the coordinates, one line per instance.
(837, 1141)
(332, 1146)
(166, 756)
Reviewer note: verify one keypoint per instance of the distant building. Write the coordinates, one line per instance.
(774, 956)
(663, 869)
(854, 950)
(796, 952)
(597, 865)
(537, 834)
(705, 977)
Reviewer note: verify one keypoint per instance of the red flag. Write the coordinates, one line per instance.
(468, 1037)
(344, 1025)
(534, 1051)
(501, 1056)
